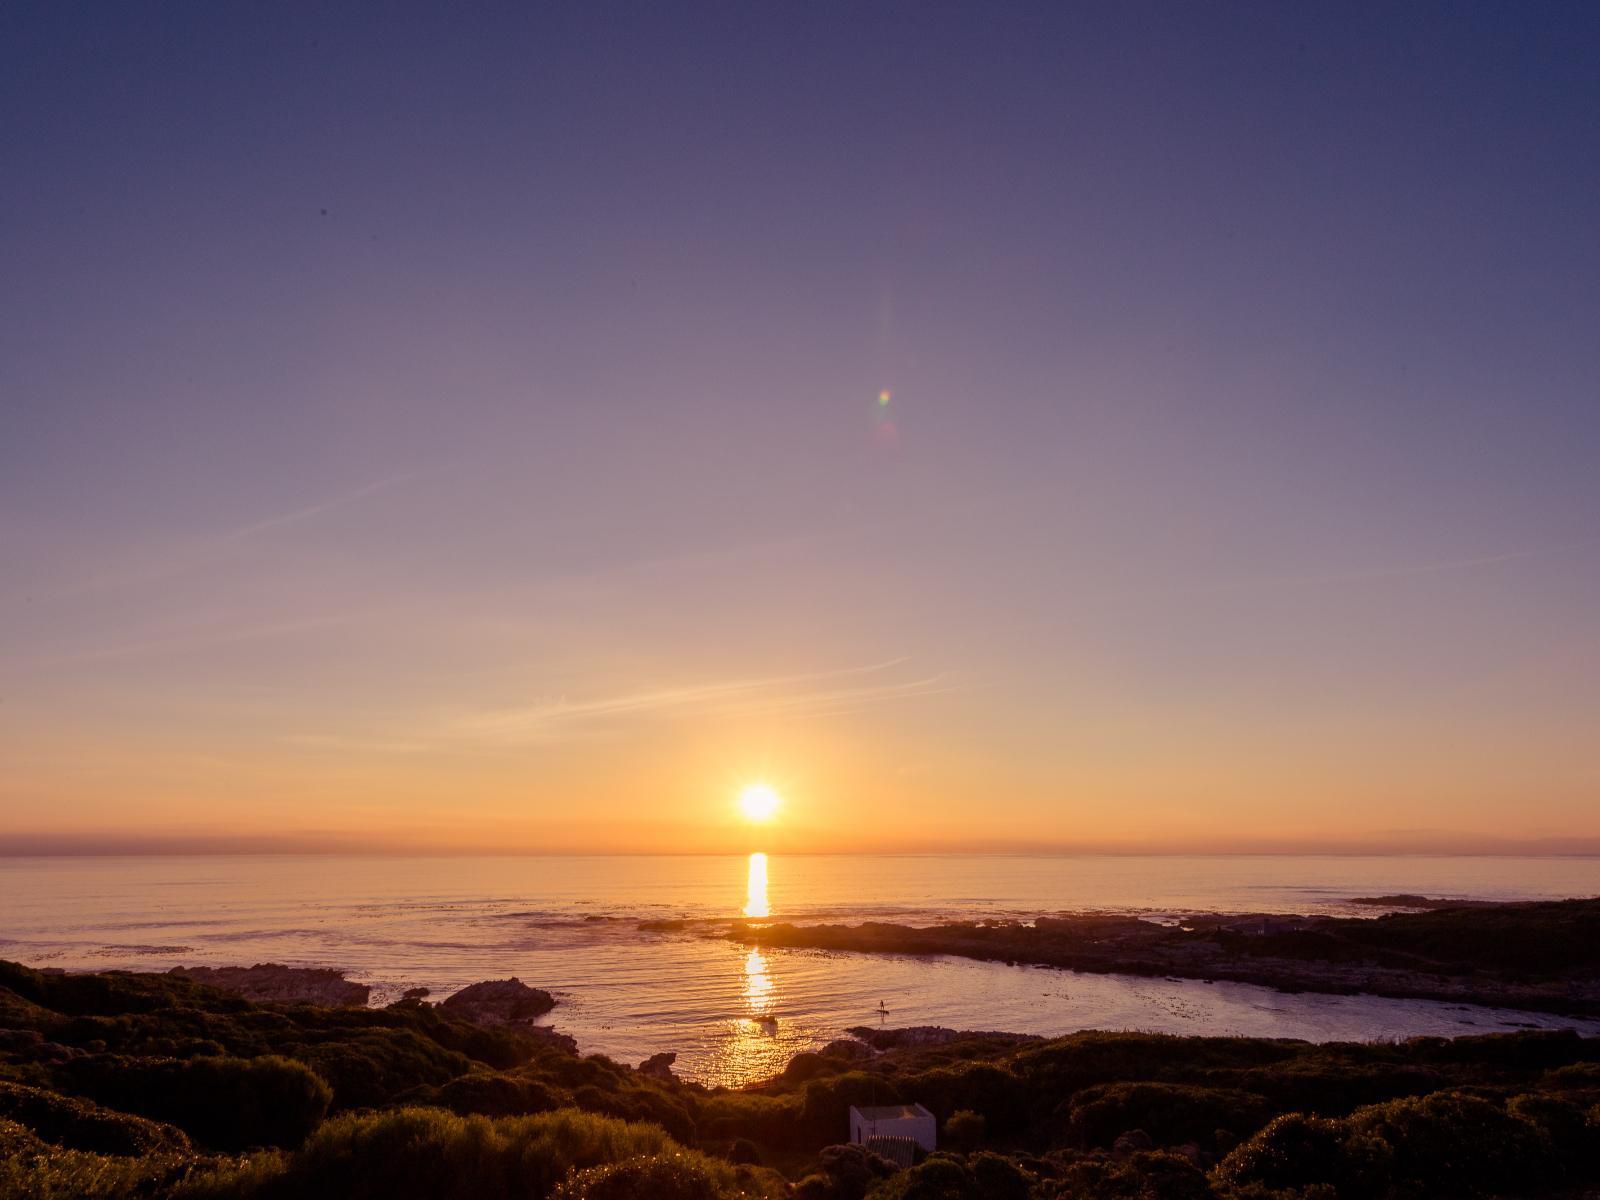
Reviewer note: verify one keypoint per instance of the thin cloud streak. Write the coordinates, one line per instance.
(1399, 571)
(540, 720)
(195, 554)
(296, 516)
(199, 641)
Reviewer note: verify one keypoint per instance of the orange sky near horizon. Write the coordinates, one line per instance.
(996, 427)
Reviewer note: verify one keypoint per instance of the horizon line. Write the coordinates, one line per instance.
(43, 849)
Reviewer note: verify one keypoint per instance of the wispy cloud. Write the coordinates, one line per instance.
(197, 552)
(309, 511)
(814, 693)
(199, 640)
(1399, 570)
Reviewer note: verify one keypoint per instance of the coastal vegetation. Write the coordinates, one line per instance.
(115, 1086)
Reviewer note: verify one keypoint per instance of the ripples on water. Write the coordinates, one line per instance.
(731, 1013)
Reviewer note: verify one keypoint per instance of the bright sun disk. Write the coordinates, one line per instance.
(759, 803)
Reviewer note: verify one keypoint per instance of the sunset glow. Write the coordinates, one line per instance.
(627, 452)
(759, 803)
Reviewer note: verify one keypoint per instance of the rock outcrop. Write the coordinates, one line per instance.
(928, 1035)
(561, 1041)
(274, 983)
(848, 1049)
(659, 1065)
(499, 1002)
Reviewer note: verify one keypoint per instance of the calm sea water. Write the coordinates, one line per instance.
(733, 1014)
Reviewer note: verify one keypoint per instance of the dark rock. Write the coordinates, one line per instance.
(417, 993)
(849, 1049)
(928, 1035)
(659, 1065)
(804, 1065)
(273, 983)
(499, 1002)
(561, 1041)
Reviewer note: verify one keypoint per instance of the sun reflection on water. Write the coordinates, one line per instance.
(756, 1040)
(755, 903)
(757, 984)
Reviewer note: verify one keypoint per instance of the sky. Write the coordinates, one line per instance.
(1106, 426)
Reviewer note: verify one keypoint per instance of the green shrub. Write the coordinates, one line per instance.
(1573, 1142)
(849, 1171)
(1576, 1077)
(430, 1154)
(1296, 1151)
(941, 1177)
(1169, 1112)
(1146, 1175)
(994, 1092)
(78, 1175)
(964, 1129)
(825, 1110)
(999, 1178)
(81, 1125)
(768, 1120)
(224, 1103)
(33, 1169)
(682, 1175)
(946, 1177)
(1450, 1144)
(372, 1067)
(496, 1094)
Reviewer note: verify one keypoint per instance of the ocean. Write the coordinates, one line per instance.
(734, 1014)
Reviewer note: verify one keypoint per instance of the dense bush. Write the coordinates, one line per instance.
(1168, 1112)
(845, 1172)
(374, 1067)
(1146, 1175)
(493, 1094)
(767, 1120)
(79, 1175)
(80, 1125)
(825, 1109)
(1450, 1144)
(1445, 1145)
(682, 1175)
(426, 1153)
(964, 1129)
(1577, 1077)
(994, 1092)
(982, 1176)
(224, 1103)
(1295, 1152)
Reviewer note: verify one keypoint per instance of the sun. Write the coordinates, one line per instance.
(759, 803)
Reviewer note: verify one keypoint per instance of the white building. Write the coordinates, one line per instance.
(894, 1121)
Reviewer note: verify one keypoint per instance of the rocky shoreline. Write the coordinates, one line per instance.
(1540, 957)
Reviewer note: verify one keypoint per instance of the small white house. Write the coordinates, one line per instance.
(894, 1121)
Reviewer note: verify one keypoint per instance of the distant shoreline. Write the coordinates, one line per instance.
(53, 850)
(1539, 956)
